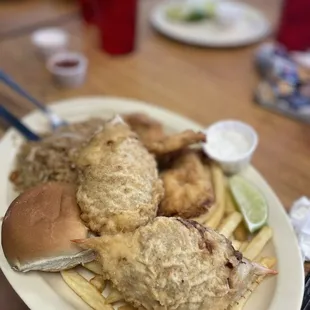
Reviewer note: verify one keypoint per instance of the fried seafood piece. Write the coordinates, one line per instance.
(175, 142)
(147, 128)
(188, 186)
(172, 263)
(118, 184)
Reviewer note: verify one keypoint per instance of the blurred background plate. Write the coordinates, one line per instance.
(252, 26)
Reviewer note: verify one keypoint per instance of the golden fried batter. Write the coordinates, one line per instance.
(175, 142)
(147, 128)
(188, 186)
(173, 263)
(118, 184)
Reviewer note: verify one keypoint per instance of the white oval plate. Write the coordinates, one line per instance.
(48, 291)
(251, 27)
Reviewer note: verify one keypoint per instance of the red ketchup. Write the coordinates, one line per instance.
(67, 63)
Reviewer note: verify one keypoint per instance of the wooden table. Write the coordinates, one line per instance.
(203, 84)
(21, 16)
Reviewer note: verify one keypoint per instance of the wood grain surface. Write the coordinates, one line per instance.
(205, 85)
(23, 15)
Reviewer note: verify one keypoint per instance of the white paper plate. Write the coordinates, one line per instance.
(251, 27)
(48, 291)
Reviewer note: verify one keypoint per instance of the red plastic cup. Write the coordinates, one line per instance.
(116, 20)
(87, 10)
(294, 28)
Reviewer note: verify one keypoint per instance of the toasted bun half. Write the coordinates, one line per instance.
(38, 228)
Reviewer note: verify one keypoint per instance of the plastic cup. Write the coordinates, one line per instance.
(232, 165)
(49, 41)
(116, 20)
(68, 68)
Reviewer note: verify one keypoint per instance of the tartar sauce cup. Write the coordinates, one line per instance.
(231, 144)
(68, 68)
(49, 41)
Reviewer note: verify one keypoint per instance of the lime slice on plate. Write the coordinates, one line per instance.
(250, 201)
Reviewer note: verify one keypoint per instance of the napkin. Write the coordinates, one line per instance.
(300, 218)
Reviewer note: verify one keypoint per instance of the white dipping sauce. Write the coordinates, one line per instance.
(228, 145)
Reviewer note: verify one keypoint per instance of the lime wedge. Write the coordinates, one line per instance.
(250, 201)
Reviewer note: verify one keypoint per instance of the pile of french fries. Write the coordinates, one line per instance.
(91, 291)
(223, 217)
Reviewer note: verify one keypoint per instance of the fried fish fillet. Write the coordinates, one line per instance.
(188, 186)
(176, 142)
(148, 129)
(118, 184)
(176, 264)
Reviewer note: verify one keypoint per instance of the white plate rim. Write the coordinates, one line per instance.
(162, 26)
(290, 281)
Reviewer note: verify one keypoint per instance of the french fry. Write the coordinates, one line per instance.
(114, 296)
(241, 232)
(230, 206)
(229, 224)
(243, 246)
(219, 189)
(268, 262)
(98, 282)
(94, 267)
(201, 219)
(126, 307)
(85, 290)
(236, 244)
(214, 221)
(258, 243)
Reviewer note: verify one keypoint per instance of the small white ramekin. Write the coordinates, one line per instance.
(68, 76)
(227, 14)
(49, 41)
(235, 165)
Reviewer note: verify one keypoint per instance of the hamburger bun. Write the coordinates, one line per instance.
(38, 228)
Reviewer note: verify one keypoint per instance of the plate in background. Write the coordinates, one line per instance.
(48, 291)
(251, 27)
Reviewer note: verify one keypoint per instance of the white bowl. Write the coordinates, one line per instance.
(49, 41)
(68, 75)
(232, 155)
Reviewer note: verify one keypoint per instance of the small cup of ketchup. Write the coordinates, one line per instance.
(68, 68)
